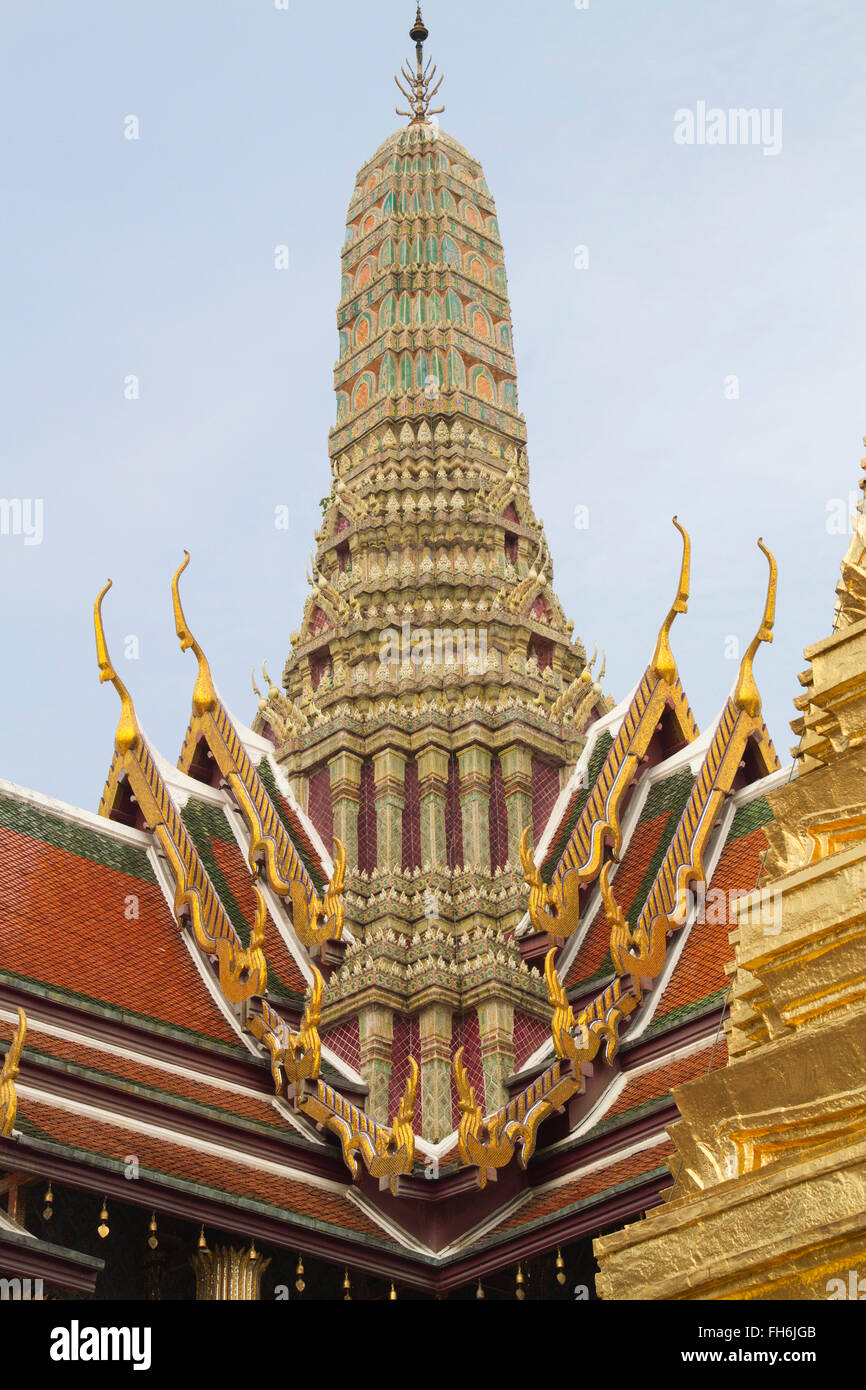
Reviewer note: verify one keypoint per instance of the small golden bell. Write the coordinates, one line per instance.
(347, 1288)
(392, 1297)
(254, 1254)
(48, 1209)
(202, 1243)
(520, 1291)
(299, 1282)
(560, 1268)
(103, 1228)
(152, 1240)
(479, 1292)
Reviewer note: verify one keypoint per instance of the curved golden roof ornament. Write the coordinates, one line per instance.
(127, 735)
(8, 1074)
(663, 664)
(273, 692)
(204, 696)
(746, 695)
(263, 704)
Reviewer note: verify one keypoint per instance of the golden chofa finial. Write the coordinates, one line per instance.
(127, 735)
(273, 693)
(204, 696)
(746, 696)
(419, 91)
(663, 664)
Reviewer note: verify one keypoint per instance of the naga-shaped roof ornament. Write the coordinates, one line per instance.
(8, 1075)
(556, 907)
(204, 695)
(746, 695)
(419, 91)
(663, 663)
(128, 733)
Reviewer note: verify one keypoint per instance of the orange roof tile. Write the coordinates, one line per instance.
(555, 1199)
(231, 1103)
(700, 971)
(653, 1085)
(626, 882)
(221, 1173)
(63, 922)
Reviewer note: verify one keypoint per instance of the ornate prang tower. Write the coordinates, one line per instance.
(434, 699)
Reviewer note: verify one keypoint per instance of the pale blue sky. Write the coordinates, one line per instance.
(155, 257)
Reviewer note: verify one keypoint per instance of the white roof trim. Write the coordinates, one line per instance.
(75, 815)
(226, 1151)
(36, 1026)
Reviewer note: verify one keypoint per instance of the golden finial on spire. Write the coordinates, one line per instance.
(419, 91)
(127, 735)
(746, 696)
(663, 663)
(204, 695)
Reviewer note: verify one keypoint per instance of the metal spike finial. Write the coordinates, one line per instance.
(419, 31)
(419, 90)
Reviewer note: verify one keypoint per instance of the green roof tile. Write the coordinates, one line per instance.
(106, 850)
(750, 817)
(596, 762)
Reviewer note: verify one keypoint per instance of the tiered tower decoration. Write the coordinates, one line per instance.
(434, 699)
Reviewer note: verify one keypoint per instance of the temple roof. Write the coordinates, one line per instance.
(134, 1045)
(234, 971)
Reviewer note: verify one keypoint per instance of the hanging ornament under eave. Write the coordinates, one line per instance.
(347, 1288)
(48, 1209)
(560, 1268)
(520, 1291)
(153, 1238)
(392, 1297)
(202, 1243)
(299, 1272)
(103, 1228)
(479, 1292)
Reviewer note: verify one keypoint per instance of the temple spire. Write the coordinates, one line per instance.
(419, 91)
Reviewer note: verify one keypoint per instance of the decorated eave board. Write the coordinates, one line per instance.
(170, 956)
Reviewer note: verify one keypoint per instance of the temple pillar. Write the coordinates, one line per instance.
(474, 763)
(435, 1030)
(345, 770)
(517, 776)
(496, 1026)
(228, 1274)
(390, 773)
(376, 1033)
(432, 788)
(300, 786)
